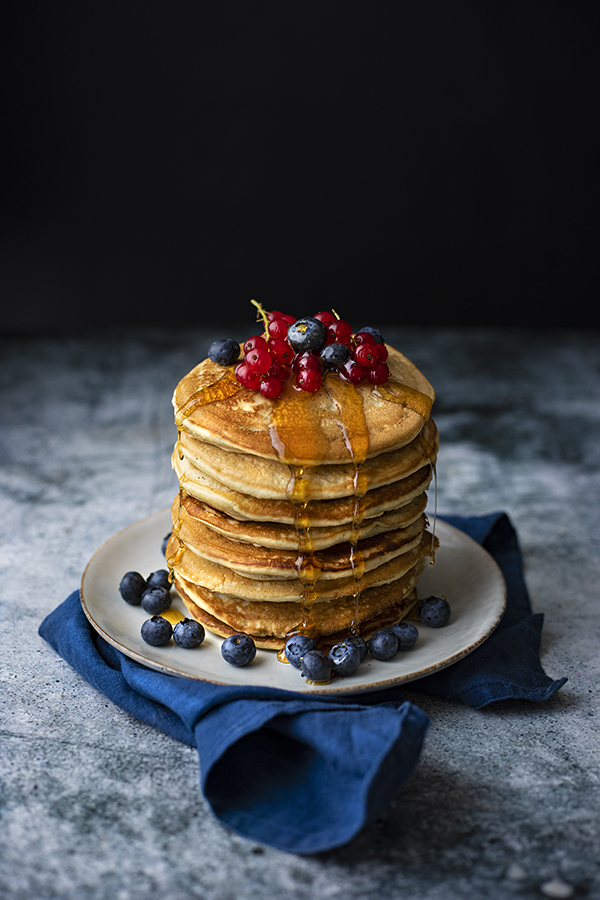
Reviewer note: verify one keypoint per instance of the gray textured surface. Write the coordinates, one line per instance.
(505, 801)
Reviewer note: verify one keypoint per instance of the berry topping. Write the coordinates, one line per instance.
(339, 332)
(155, 600)
(278, 328)
(238, 649)
(296, 647)
(407, 635)
(345, 657)
(375, 332)
(281, 351)
(383, 644)
(270, 386)
(335, 355)
(367, 354)
(322, 343)
(316, 667)
(353, 372)
(258, 360)
(257, 342)
(307, 335)
(157, 631)
(188, 634)
(309, 380)
(434, 611)
(160, 578)
(132, 587)
(225, 352)
(327, 318)
(379, 373)
(246, 377)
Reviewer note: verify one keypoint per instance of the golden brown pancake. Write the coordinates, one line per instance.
(320, 513)
(338, 423)
(268, 624)
(273, 480)
(289, 537)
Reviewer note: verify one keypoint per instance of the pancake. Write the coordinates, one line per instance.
(375, 608)
(303, 428)
(288, 537)
(321, 513)
(270, 479)
(254, 561)
(224, 580)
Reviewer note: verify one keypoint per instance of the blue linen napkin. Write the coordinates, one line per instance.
(301, 773)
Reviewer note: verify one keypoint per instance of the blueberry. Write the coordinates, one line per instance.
(238, 649)
(188, 633)
(335, 355)
(225, 352)
(434, 611)
(160, 578)
(383, 644)
(360, 643)
(316, 667)
(375, 332)
(157, 631)
(407, 635)
(165, 541)
(132, 587)
(296, 647)
(155, 600)
(345, 657)
(307, 335)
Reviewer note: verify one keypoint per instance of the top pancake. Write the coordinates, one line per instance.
(339, 423)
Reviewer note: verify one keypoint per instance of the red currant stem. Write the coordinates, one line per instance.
(335, 314)
(261, 315)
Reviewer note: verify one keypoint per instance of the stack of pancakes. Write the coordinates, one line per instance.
(305, 513)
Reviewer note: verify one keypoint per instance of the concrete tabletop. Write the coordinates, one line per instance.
(505, 801)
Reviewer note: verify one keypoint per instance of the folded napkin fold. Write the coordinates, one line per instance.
(302, 773)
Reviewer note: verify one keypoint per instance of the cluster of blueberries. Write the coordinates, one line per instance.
(303, 349)
(345, 657)
(153, 594)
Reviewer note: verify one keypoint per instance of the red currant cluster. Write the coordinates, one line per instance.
(303, 349)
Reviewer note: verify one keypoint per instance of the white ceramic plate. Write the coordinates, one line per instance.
(463, 572)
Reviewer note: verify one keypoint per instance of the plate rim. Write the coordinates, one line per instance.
(338, 686)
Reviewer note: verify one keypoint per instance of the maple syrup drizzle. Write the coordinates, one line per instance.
(409, 398)
(222, 389)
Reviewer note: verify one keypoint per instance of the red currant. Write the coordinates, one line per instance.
(278, 328)
(254, 343)
(364, 337)
(327, 318)
(258, 360)
(307, 361)
(382, 352)
(339, 332)
(278, 371)
(246, 377)
(353, 372)
(379, 373)
(276, 314)
(367, 354)
(281, 351)
(270, 386)
(309, 380)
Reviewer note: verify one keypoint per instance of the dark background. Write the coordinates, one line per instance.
(426, 162)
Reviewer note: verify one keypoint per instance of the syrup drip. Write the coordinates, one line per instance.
(409, 398)
(296, 435)
(225, 387)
